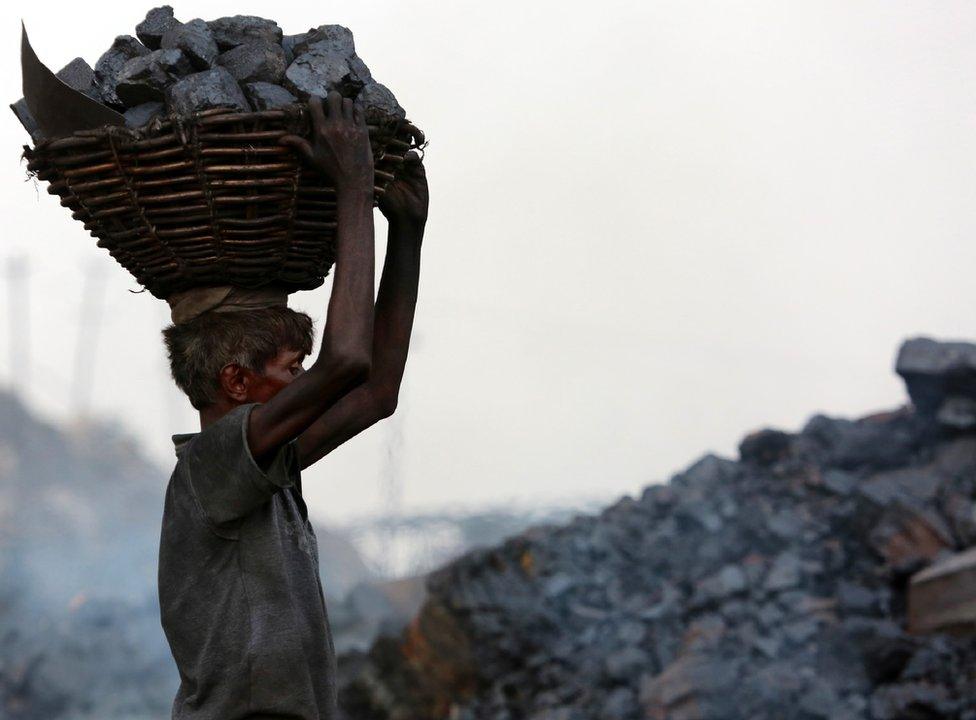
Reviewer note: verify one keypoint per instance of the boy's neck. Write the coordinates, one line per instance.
(213, 413)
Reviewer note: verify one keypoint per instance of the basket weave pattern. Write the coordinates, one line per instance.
(209, 200)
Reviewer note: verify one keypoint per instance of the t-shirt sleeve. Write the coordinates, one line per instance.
(223, 474)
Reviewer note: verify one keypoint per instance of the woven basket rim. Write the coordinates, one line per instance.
(214, 116)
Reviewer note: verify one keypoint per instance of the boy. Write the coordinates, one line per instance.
(240, 595)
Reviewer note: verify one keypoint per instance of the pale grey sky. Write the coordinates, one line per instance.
(655, 226)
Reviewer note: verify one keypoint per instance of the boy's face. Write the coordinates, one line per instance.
(277, 373)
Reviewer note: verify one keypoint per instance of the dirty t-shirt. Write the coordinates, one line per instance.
(239, 589)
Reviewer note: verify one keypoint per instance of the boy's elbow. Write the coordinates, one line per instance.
(348, 367)
(386, 405)
(354, 368)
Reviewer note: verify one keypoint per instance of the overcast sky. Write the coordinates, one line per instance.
(655, 227)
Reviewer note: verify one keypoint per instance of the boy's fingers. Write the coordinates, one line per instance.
(315, 109)
(416, 133)
(358, 116)
(298, 144)
(333, 104)
(347, 108)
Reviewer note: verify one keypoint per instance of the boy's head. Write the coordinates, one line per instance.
(238, 357)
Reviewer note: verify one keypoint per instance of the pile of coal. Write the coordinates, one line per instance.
(240, 62)
(772, 587)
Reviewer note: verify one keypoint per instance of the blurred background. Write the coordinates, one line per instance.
(654, 227)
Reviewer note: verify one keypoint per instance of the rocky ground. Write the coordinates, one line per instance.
(772, 587)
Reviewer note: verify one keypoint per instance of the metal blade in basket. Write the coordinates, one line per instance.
(59, 109)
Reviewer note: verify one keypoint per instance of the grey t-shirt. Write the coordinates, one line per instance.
(239, 589)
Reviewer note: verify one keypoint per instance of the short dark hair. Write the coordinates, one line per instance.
(200, 348)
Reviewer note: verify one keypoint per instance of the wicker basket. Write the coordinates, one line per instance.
(208, 200)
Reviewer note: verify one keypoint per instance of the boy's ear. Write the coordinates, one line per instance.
(235, 381)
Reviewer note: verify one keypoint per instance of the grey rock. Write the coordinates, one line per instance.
(288, 43)
(157, 22)
(266, 96)
(206, 90)
(23, 114)
(319, 73)
(620, 704)
(626, 664)
(728, 581)
(124, 48)
(140, 115)
(958, 413)
(879, 441)
(911, 700)
(145, 78)
(257, 61)
(358, 70)
(839, 482)
(784, 573)
(935, 370)
(855, 598)
(195, 40)
(231, 31)
(79, 75)
(801, 630)
(709, 471)
(765, 447)
(327, 39)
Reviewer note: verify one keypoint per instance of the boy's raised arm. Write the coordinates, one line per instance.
(405, 205)
(340, 149)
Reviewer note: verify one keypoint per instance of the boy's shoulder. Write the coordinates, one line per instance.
(223, 475)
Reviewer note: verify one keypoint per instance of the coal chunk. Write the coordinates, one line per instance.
(936, 371)
(23, 114)
(79, 75)
(195, 40)
(76, 74)
(327, 39)
(144, 79)
(157, 22)
(229, 32)
(288, 43)
(141, 114)
(257, 61)
(266, 96)
(379, 104)
(124, 48)
(205, 90)
(318, 73)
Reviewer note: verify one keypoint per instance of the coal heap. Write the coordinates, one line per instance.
(773, 587)
(240, 62)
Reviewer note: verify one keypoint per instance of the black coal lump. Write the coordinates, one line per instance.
(124, 48)
(141, 114)
(327, 39)
(23, 114)
(379, 104)
(79, 75)
(257, 61)
(229, 32)
(358, 70)
(266, 96)
(205, 90)
(157, 22)
(195, 40)
(288, 43)
(145, 78)
(76, 74)
(318, 73)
